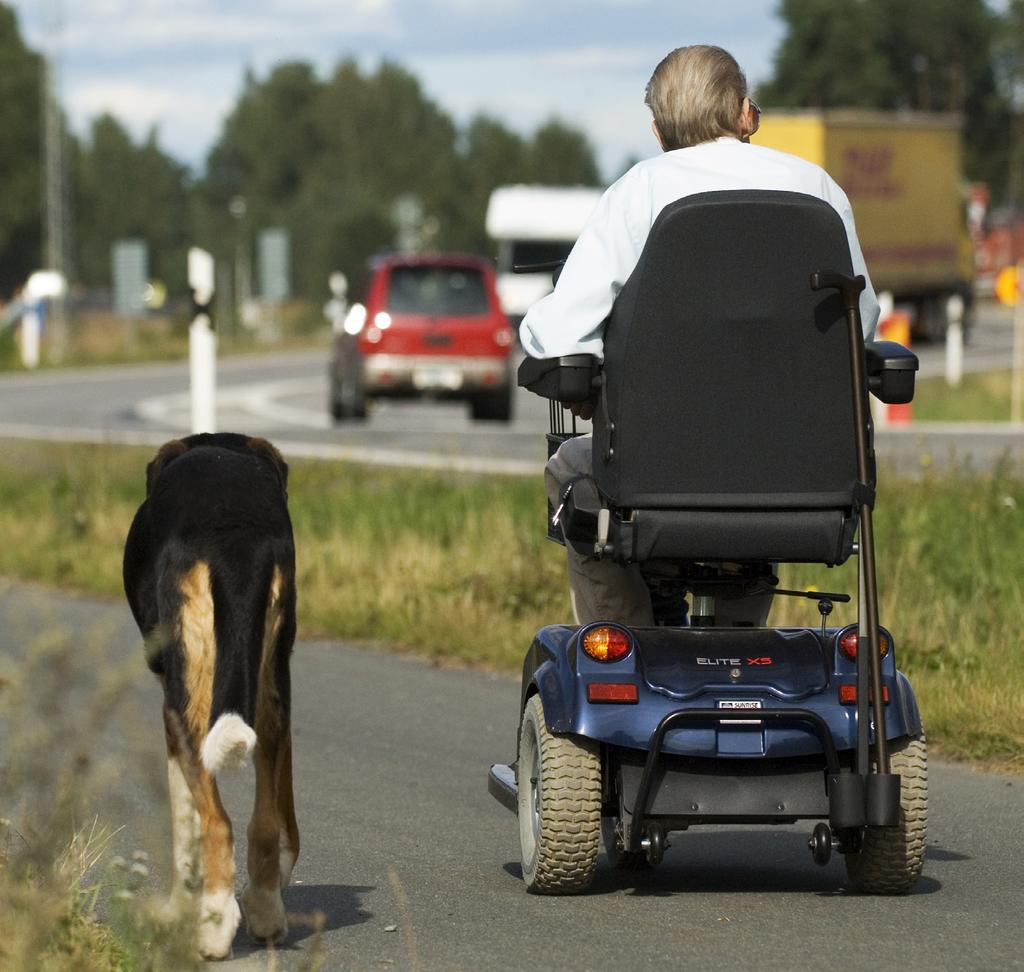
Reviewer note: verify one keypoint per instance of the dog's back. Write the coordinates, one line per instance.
(209, 572)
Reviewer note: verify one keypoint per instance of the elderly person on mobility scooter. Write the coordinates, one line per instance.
(712, 318)
(703, 119)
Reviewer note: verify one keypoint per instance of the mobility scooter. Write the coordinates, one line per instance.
(731, 433)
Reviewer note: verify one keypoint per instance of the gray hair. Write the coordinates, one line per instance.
(696, 94)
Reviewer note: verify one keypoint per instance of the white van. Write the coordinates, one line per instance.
(534, 224)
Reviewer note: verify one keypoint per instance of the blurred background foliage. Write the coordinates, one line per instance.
(329, 158)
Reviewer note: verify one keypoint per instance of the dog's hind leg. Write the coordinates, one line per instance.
(261, 900)
(204, 849)
(219, 915)
(185, 832)
(286, 809)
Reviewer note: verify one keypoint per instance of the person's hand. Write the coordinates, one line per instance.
(582, 410)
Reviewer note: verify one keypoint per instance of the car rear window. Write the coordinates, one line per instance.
(440, 291)
(528, 252)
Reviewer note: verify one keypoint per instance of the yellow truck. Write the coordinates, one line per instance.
(902, 173)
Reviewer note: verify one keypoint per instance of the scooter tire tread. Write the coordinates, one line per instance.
(890, 859)
(570, 815)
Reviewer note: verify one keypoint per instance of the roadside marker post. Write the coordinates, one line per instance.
(31, 329)
(1007, 289)
(41, 286)
(954, 340)
(202, 343)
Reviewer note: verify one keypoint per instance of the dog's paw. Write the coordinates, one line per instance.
(219, 918)
(264, 914)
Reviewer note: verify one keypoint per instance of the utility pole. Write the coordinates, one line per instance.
(54, 184)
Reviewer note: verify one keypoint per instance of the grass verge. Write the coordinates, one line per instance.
(982, 397)
(456, 568)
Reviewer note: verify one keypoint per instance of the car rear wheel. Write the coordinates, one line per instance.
(559, 782)
(347, 402)
(492, 406)
(889, 860)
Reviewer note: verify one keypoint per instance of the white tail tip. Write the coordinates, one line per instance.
(228, 745)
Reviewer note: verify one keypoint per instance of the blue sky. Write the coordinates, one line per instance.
(178, 64)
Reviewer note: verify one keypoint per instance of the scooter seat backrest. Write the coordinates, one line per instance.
(727, 379)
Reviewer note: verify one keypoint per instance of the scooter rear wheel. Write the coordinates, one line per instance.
(559, 781)
(889, 859)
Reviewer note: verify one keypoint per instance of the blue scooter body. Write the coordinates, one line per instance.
(721, 668)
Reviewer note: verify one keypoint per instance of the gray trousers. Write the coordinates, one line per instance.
(601, 590)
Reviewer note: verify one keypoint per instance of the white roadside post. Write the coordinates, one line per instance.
(1017, 375)
(202, 343)
(41, 285)
(954, 340)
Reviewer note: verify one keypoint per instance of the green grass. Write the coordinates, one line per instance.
(455, 568)
(983, 397)
(99, 338)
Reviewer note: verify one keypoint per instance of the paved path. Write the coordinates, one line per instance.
(415, 867)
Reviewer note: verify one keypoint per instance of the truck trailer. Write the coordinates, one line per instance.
(902, 173)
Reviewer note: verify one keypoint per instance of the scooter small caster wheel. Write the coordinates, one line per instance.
(655, 844)
(820, 843)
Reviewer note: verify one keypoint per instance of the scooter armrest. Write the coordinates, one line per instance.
(891, 371)
(569, 378)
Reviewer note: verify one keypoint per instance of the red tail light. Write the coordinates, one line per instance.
(607, 643)
(610, 692)
(848, 694)
(848, 645)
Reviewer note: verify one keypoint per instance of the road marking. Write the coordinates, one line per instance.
(298, 450)
(408, 932)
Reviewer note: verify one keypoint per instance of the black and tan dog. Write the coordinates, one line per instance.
(209, 570)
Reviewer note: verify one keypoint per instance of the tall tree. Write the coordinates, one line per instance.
(831, 56)
(128, 190)
(20, 156)
(561, 156)
(334, 160)
(1010, 75)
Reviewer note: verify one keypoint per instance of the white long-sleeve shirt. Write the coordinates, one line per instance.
(570, 320)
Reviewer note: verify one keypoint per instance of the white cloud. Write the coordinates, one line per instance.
(600, 58)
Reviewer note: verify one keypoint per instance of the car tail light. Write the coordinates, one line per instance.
(848, 644)
(848, 694)
(607, 643)
(623, 693)
(503, 337)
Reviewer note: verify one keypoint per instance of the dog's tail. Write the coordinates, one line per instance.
(228, 744)
(223, 636)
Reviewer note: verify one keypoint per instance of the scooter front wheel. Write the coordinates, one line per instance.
(559, 782)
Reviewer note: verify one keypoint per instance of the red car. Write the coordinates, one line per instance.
(432, 326)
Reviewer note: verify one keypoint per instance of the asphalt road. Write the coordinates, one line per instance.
(415, 867)
(284, 396)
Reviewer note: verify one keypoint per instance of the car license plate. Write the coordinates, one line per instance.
(740, 704)
(450, 379)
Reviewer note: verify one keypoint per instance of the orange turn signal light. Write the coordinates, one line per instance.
(848, 644)
(611, 692)
(607, 643)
